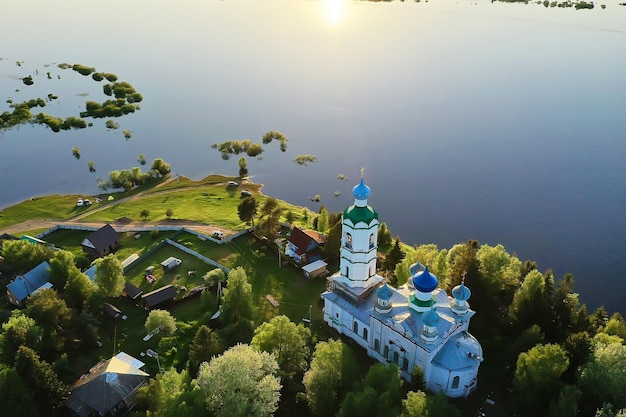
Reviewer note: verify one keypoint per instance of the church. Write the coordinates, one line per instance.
(417, 324)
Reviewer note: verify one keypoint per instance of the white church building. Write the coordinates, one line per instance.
(417, 324)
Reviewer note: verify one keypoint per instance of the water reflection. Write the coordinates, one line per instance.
(335, 11)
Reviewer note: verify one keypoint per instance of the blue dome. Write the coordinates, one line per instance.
(431, 318)
(424, 281)
(414, 268)
(361, 191)
(384, 292)
(461, 292)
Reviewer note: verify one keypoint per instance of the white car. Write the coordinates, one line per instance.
(79, 203)
(232, 184)
(218, 234)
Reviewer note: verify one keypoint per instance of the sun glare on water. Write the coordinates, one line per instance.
(335, 11)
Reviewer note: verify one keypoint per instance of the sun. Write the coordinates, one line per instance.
(335, 11)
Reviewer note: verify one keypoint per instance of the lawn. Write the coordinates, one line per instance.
(52, 207)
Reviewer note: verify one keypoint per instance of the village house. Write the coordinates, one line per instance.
(109, 389)
(303, 245)
(24, 285)
(101, 242)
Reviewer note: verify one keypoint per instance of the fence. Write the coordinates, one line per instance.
(123, 229)
(197, 255)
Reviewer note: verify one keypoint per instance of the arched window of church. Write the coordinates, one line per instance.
(455, 382)
(377, 345)
(347, 272)
(348, 241)
(405, 364)
(372, 241)
(364, 333)
(355, 327)
(386, 352)
(396, 357)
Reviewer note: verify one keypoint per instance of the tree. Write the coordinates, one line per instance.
(537, 376)
(379, 395)
(415, 405)
(144, 213)
(439, 406)
(19, 330)
(332, 247)
(172, 394)
(243, 166)
(240, 383)
(530, 304)
(428, 255)
(159, 167)
(603, 376)
(567, 405)
(237, 301)
(52, 314)
(394, 256)
(288, 342)
(40, 378)
(109, 276)
(418, 379)
(322, 219)
(333, 371)
(61, 264)
(214, 276)
(270, 219)
(162, 320)
(23, 255)
(578, 347)
(384, 237)
(499, 268)
(205, 345)
(16, 398)
(247, 209)
(169, 213)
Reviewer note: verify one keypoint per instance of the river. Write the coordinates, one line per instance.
(473, 120)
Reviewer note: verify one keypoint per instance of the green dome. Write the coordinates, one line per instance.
(360, 214)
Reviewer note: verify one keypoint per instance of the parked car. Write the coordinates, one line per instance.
(79, 203)
(232, 184)
(246, 193)
(86, 202)
(218, 234)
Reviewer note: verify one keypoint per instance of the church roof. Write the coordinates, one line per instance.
(430, 318)
(461, 292)
(361, 191)
(384, 292)
(358, 214)
(402, 319)
(424, 281)
(461, 352)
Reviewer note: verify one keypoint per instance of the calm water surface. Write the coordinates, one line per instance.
(497, 122)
